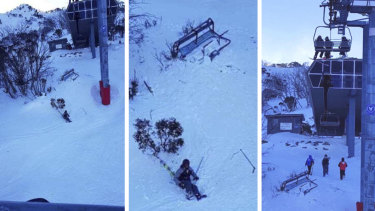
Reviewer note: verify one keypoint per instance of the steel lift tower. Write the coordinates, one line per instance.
(338, 12)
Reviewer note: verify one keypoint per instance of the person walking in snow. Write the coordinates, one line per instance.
(325, 163)
(309, 163)
(182, 179)
(342, 166)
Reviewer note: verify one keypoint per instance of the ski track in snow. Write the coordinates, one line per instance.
(215, 102)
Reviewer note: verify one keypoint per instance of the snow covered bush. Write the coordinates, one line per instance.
(306, 129)
(188, 27)
(169, 132)
(143, 136)
(138, 22)
(24, 64)
(291, 103)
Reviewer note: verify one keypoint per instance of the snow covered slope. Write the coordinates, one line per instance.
(215, 102)
(280, 161)
(284, 155)
(80, 162)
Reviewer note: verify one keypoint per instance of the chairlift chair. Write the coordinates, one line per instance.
(328, 119)
(333, 45)
(196, 37)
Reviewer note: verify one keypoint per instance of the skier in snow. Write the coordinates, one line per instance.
(325, 163)
(342, 166)
(309, 163)
(66, 116)
(182, 179)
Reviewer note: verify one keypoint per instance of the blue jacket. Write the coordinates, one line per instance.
(309, 161)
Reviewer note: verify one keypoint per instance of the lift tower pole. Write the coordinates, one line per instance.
(368, 90)
(368, 118)
(103, 42)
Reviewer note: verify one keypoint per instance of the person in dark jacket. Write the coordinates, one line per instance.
(182, 179)
(325, 163)
(342, 166)
(309, 163)
(319, 43)
(328, 45)
(344, 46)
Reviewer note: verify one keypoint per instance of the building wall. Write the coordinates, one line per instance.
(284, 124)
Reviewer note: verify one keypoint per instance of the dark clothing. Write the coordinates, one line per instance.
(183, 176)
(309, 170)
(190, 188)
(342, 174)
(344, 45)
(319, 43)
(309, 163)
(325, 163)
(325, 170)
(328, 45)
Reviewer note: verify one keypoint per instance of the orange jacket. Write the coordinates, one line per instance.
(343, 165)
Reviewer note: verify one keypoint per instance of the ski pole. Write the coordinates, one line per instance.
(248, 160)
(199, 166)
(196, 172)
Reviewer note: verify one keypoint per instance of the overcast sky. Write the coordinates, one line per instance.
(43, 5)
(288, 27)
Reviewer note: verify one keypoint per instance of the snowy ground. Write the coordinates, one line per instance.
(280, 161)
(80, 162)
(215, 102)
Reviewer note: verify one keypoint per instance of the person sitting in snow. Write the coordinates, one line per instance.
(182, 179)
(309, 163)
(342, 166)
(325, 163)
(66, 116)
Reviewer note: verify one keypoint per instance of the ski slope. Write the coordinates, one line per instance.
(80, 162)
(285, 154)
(279, 161)
(215, 102)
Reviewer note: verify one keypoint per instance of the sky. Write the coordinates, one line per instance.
(43, 5)
(288, 29)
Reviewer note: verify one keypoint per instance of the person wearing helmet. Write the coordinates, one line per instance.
(182, 179)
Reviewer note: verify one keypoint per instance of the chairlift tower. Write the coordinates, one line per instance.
(103, 42)
(338, 16)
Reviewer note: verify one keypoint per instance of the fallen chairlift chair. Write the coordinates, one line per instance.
(334, 45)
(294, 181)
(196, 38)
(298, 180)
